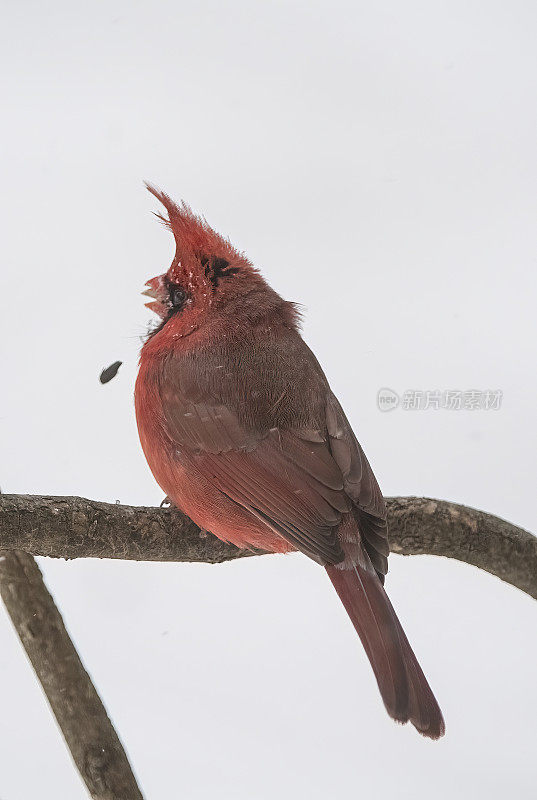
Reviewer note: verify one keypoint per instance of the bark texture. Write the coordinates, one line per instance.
(72, 527)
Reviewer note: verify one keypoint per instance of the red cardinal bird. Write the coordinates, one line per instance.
(242, 432)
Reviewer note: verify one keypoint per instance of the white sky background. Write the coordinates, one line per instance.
(378, 162)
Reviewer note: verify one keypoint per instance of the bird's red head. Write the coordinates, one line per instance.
(205, 274)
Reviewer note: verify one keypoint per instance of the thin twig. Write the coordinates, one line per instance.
(86, 727)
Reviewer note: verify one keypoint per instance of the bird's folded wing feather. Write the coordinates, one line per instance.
(298, 481)
(360, 485)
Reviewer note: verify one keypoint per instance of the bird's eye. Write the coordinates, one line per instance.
(178, 297)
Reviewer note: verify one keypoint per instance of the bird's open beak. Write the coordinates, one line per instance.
(156, 288)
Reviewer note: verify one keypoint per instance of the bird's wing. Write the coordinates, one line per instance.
(297, 480)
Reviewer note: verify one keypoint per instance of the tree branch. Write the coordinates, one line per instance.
(72, 527)
(86, 727)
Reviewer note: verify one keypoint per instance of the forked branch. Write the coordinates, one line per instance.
(72, 527)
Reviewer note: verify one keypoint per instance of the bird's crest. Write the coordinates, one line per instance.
(199, 248)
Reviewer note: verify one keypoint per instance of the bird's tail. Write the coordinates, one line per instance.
(403, 686)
